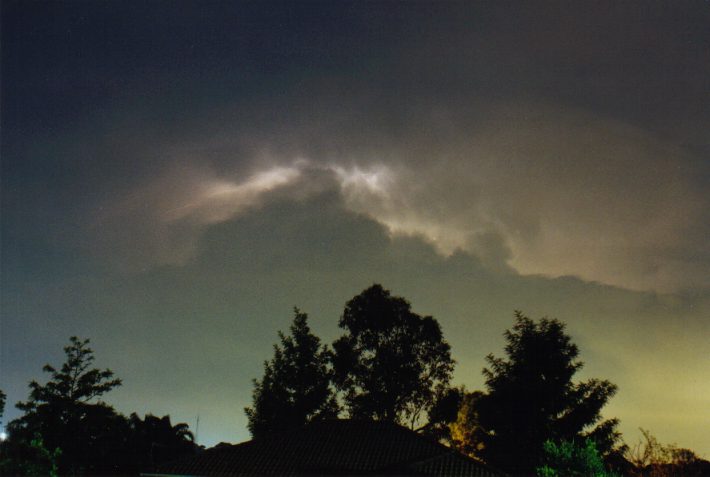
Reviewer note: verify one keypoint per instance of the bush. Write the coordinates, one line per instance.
(568, 459)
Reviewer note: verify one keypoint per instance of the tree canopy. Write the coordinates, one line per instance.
(67, 429)
(64, 412)
(74, 383)
(295, 388)
(531, 398)
(155, 439)
(391, 362)
(569, 459)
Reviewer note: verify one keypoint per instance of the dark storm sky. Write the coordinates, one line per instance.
(176, 176)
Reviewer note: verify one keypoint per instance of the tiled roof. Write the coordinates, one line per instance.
(453, 464)
(333, 447)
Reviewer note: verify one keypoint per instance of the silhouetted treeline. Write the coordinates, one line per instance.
(390, 364)
(395, 365)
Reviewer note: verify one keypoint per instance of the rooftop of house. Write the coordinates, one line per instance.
(333, 447)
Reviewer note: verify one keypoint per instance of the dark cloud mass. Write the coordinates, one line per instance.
(177, 176)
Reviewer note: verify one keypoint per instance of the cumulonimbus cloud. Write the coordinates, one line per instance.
(535, 188)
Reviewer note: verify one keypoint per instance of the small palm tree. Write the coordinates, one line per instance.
(158, 440)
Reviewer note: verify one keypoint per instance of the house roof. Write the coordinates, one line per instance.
(333, 447)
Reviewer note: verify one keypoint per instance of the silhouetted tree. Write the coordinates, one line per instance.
(62, 414)
(443, 413)
(651, 458)
(66, 429)
(295, 388)
(391, 363)
(531, 398)
(155, 440)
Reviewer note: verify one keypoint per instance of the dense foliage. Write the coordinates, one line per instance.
(464, 430)
(295, 388)
(67, 429)
(64, 413)
(569, 459)
(153, 440)
(391, 362)
(531, 398)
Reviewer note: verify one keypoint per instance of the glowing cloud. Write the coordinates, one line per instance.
(356, 181)
(218, 200)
